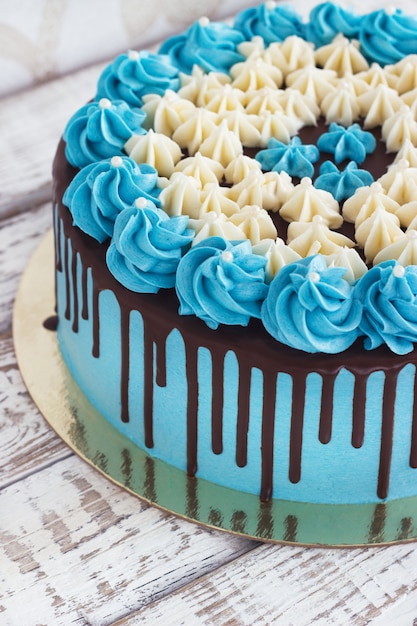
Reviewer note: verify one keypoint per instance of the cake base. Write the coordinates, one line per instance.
(92, 438)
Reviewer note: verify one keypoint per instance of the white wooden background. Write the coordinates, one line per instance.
(75, 548)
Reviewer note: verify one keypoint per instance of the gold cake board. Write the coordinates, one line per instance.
(91, 437)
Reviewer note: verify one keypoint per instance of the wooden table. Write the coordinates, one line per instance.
(77, 549)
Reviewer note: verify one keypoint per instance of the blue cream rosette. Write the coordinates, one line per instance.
(221, 282)
(311, 307)
(388, 292)
(146, 247)
(100, 191)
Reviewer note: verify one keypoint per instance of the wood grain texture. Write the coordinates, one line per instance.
(19, 236)
(296, 587)
(88, 550)
(31, 125)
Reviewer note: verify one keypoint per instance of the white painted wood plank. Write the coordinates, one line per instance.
(19, 236)
(31, 125)
(297, 587)
(77, 549)
(27, 443)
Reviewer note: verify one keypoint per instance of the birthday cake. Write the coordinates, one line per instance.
(235, 226)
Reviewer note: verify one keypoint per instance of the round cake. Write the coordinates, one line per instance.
(235, 224)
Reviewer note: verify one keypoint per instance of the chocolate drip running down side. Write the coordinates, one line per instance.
(257, 351)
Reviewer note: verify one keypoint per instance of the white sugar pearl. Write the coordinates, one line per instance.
(141, 203)
(133, 55)
(204, 21)
(116, 161)
(314, 277)
(398, 271)
(227, 256)
(104, 103)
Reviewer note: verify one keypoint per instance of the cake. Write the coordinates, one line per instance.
(235, 224)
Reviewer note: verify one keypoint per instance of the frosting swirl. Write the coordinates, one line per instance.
(389, 296)
(146, 247)
(294, 158)
(100, 191)
(99, 131)
(195, 47)
(134, 74)
(270, 21)
(387, 35)
(221, 282)
(327, 20)
(311, 307)
(351, 143)
(342, 184)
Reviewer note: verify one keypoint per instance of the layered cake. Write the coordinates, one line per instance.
(236, 245)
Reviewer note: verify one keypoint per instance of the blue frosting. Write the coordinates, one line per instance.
(133, 75)
(272, 23)
(99, 131)
(211, 45)
(100, 191)
(342, 184)
(294, 158)
(311, 307)
(386, 37)
(221, 282)
(146, 248)
(389, 296)
(351, 143)
(328, 20)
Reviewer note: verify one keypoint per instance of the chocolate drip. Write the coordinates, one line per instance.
(67, 280)
(388, 403)
(161, 370)
(413, 449)
(326, 411)
(58, 226)
(243, 416)
(192, 409)
(84, 292)
(125, 364)
(148, 384)
(95, 320)
(217, 373)
(74, 270)
(358, 411)
(297, 422)
(267, 436)
(51, 323)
